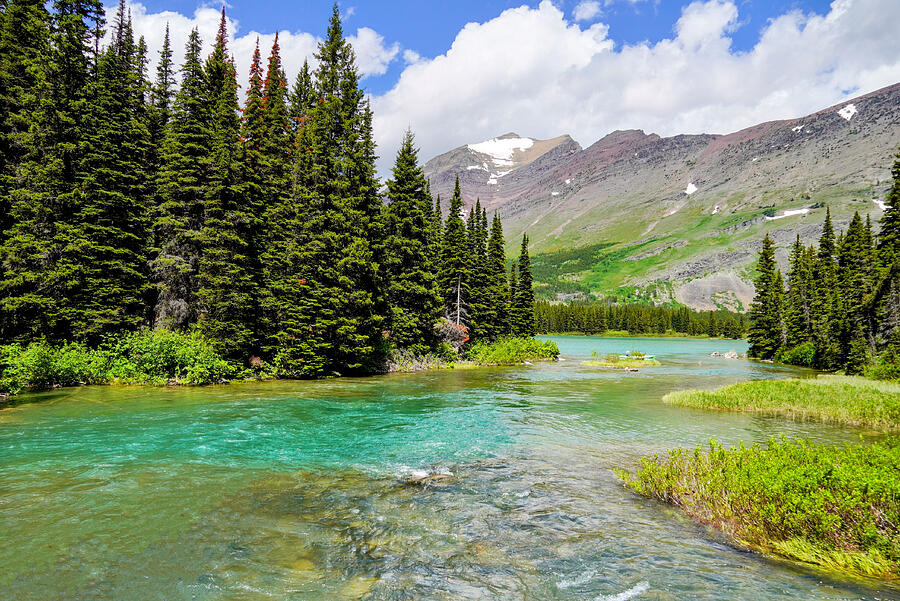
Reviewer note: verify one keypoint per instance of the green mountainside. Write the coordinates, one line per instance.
(649, 219)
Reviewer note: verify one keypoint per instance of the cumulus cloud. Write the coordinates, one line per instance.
(532, 71)
(586, 10)
(373, 55)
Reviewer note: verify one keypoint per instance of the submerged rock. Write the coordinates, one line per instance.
(422, 478)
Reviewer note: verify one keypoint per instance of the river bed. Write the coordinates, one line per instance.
(298, 490)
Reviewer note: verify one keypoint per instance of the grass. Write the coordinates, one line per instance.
(512, 351)
(849, 400)
(836, 507)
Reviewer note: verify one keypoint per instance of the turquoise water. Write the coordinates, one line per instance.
(299, 490)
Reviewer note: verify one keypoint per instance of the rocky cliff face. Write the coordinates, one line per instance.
(647, 218)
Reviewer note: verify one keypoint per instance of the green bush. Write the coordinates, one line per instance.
(834, 506)
(803, 355)
(511, 351)
(159, 356)
(144, 357)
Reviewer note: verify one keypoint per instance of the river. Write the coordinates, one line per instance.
(295, 490)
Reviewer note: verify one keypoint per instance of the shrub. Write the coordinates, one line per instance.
(510, 351)
(160, 356)
(144, 357)
(803, 355)
(835, 506)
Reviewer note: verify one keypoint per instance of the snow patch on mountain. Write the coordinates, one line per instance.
(789, 213)
(881, 204)
(715, 209)
(691, 188)
(798, 129)
(501, 150)
(848, 111)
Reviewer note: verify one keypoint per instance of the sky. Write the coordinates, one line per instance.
(462, 71)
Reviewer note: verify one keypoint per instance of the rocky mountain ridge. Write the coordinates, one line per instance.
(646, 218)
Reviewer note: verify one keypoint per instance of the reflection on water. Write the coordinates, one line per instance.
(300, 490)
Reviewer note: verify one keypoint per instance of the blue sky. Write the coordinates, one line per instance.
(429, 27)
(463, 71)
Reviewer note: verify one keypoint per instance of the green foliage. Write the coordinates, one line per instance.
(840, 399)
(803, 354)
(834, 506)
(521, 311)
(511, 351)
(143, 357)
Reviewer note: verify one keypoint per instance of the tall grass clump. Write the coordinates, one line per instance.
(143, 357)
(850, 400)
(512, 351)
(837, 507)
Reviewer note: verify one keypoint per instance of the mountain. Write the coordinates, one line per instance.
(644, 218)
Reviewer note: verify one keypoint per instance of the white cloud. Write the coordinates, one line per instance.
(411, 56)
(373, 56)
(532, 71)
(586, 10)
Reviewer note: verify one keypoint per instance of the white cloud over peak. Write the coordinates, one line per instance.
(532, 71)
(586, 10)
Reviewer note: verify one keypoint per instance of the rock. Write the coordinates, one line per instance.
(419, 478)
(729, 355)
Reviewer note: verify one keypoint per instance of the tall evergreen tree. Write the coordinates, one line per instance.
(109, 256)
(797, 309)
(523, 316)
(409, 271)
(453, 276)
(36, 291)
(889, 235)
(496, 322)
(186, 166)
(225, 277)
(767, 327)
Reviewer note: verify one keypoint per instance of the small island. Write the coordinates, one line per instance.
(631, 360)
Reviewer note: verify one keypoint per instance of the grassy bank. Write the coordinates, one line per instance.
(512, 351)
(847, 400)
(837, 507)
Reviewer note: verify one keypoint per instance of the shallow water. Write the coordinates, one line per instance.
(295, 490)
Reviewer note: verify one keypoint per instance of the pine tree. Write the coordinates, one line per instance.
(412, 285)
(511, 302)
(225, 292)
(183, 179)
(38, 281)
(826, 308)
(766, 335)
(453, 275)
(302, 98)
(523, 317)
(109, 255)
(496, 323)
(24, 38)
(797, 310)
(889, 235)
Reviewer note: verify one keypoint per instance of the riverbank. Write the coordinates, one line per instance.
(621, 363)
(849, 400)
(835, 507)
(166, 358)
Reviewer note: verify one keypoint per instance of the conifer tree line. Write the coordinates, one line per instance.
(597, 318)
(130, 200)
(839, 306)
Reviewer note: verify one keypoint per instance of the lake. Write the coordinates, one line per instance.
(297, 490)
